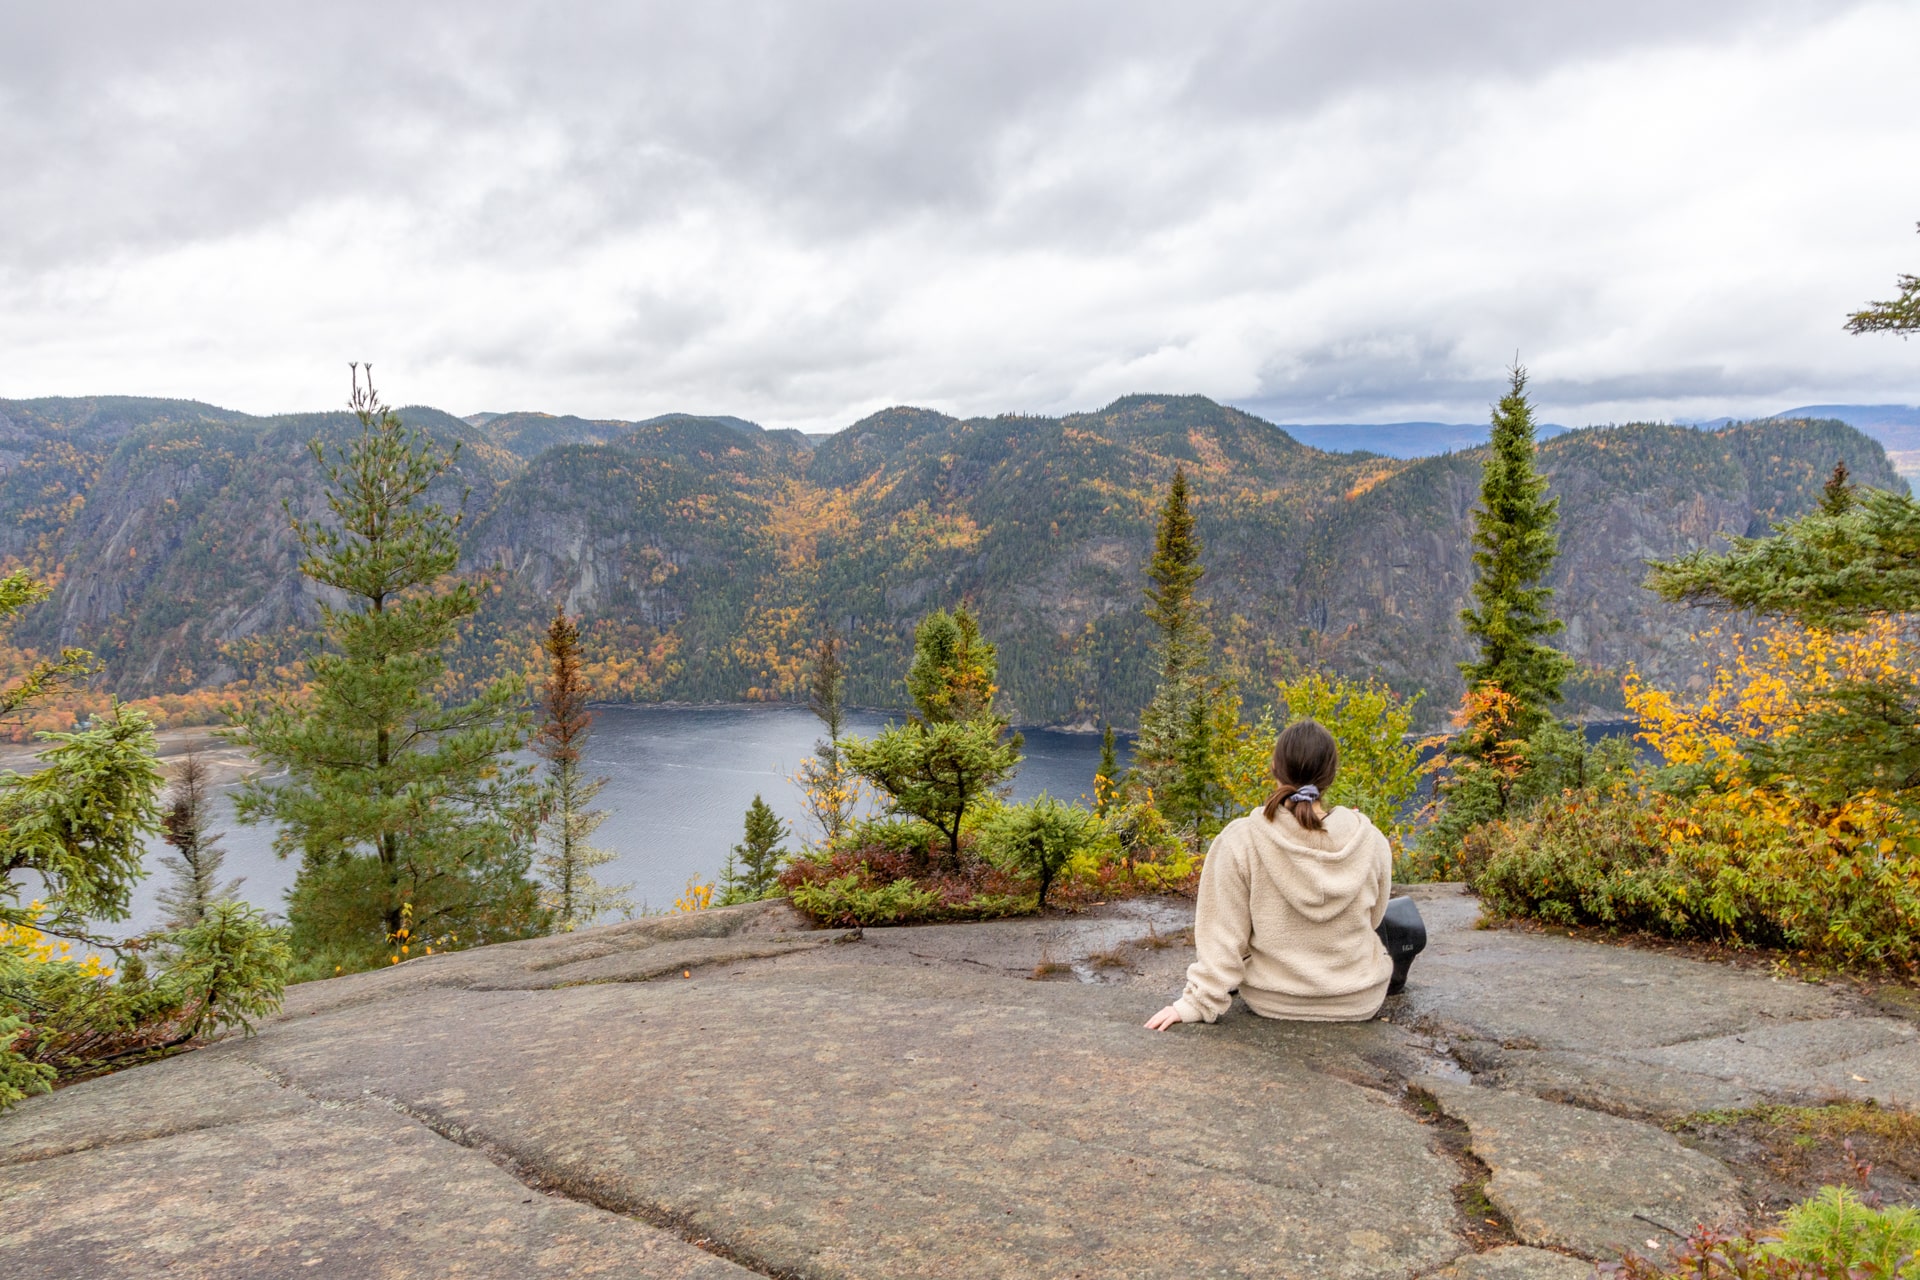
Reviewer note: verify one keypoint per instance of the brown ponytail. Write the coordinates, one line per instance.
(1304, 756)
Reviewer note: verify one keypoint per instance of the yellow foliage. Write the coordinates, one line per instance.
(1760, 690)
(35, 947)
(698, 896)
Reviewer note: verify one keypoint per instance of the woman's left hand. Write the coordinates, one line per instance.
(1167, 1017)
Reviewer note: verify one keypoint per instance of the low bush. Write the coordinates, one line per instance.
(867, 881)
(1041, 838)
(1005, 854)
(844, 900)
(1835, 1235)
(67, 1019)
(1841, 887)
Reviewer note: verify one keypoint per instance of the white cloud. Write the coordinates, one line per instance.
(801, 214)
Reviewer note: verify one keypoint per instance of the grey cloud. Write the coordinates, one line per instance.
(783, 207)
(141, 124)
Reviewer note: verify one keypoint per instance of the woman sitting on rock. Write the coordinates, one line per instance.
(1289, 901)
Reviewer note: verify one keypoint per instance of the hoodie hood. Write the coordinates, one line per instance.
(1319, 873)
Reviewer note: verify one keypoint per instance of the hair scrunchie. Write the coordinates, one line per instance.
(1308, 792)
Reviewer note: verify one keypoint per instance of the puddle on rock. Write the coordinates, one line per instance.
(1099, 950)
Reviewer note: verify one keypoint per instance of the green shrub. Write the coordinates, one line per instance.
(1835, 1235)
(907, 837)
(842, 901)
(1141, 833)
(65, 1018)
(1040, 838)
(1627, 859)
(1587, 860)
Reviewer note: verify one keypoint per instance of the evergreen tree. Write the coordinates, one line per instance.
(753, 865)
(939, 765)
(1899, 315)
(1836, 496)
(1172, 575)
(1515, 544)
(827, 689)
(830, 789)
(413, 823)
(197, 856)
(573, 896)
(1107, 776)
(1852, 560)
(71, 831)
(1197, 788)
(71, 838)
(1174, 753)
(953, 668)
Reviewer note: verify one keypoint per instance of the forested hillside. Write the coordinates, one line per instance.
(706, 554)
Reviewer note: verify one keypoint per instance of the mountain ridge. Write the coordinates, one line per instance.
(706, 558)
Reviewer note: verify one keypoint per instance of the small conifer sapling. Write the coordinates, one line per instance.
(753, 866)
(196, 857)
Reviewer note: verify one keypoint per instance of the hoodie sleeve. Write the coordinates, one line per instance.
(1222, 928)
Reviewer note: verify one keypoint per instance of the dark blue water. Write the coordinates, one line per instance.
(679, 782)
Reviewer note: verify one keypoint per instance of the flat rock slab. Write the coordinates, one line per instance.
(829, 1117)
(1653, 1033)
(911, 1103)
(1581, 1180)
(1517, 1262)
(342, 1192)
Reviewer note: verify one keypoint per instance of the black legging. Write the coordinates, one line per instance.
(1405, 936)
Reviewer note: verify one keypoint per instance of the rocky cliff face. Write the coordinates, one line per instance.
(707, 556)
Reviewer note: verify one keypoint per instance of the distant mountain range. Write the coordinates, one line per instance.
(1895, 426)
(706, 556)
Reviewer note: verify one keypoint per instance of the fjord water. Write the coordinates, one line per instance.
(679, 782)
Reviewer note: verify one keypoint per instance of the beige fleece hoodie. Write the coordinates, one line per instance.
(1288, 916)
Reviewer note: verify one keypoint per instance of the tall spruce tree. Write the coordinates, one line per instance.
(1173, 753)
(1172, 575)
(196, 857)
(568, 856)
(413, 823)
(1515, 543)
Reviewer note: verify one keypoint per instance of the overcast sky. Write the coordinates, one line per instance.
(801, 212)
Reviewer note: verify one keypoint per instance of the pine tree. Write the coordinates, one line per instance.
(1173, 755)
(753, 865)
(1515, 544)
(1172, 575)
(1836, 496)
(413, 822)
(573, 896)
(830, 788)
(197, 856)
(1852, 562)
